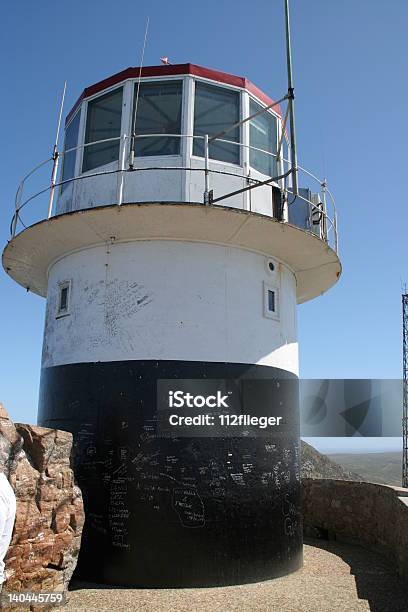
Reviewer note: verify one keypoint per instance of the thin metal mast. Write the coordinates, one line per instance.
(55, 154)
(133, 135)
(291, 98)
(405, 389)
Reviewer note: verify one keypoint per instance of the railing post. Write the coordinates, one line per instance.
(53, 181)
(121, 177)
(324, 224)
(285, 206)
(206, 172)
(17, 208)
(336, 239)
(14, 226)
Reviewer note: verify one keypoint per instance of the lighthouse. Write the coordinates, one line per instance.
(174, 247)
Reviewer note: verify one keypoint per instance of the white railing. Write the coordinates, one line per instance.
(326, 221)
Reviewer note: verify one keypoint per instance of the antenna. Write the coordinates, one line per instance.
(59, 119)
(132, 141)
(55, 154)
(291, 102)
(405, 387)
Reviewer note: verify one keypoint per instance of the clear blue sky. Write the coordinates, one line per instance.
(351, 87)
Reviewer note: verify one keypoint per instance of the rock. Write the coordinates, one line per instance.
(317, 465)
(46, 447)
(50, 514)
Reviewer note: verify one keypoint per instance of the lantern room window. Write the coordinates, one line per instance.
(71, 141)
(215, 110)
(158, 112)
(103, 122)
(262, 135)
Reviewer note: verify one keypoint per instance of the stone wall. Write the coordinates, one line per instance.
(373, 515)
(50, 514)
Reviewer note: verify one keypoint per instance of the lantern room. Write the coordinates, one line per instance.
(177, 135)
(157, 118)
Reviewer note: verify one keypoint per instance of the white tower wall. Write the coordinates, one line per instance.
(170, 300)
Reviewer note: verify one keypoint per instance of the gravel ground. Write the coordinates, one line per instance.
(335, 577)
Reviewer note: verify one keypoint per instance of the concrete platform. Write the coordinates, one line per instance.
(335, 577)
(29, 255)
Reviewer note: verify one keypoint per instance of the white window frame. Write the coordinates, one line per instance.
(278, 132)
(241, 143)
(184, 102)
(244, 147)
(269, 314)
(187, 118)
(71, 184)
(67, 284)
(84, 120)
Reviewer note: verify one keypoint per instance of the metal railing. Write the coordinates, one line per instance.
(327, 222)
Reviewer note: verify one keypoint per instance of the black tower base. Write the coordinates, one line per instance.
(177, 512)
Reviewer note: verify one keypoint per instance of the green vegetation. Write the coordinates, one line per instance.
(384, 468)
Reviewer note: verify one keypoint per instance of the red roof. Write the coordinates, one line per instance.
(173, 69)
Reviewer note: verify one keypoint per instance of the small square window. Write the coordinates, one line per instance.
(271, 301)
(64, 298)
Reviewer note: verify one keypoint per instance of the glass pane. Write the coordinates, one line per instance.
(271, 300)
(215, 109)
(262, 135)
(103, 121)
(158, 112)
(285, 155)
(64, 299)
(71, 141)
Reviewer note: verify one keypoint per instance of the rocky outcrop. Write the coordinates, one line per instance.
(50, 514)
(317, 465)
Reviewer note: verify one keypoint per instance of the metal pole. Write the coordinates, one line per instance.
(242, 121)
(405, 389)
(53, 181)
(60, 116)
(121, 170)
(206, 172)
(250, 187)
(55, 155)
(14, 226)
(133, 133)
(324, 220)
(291, 96)
(17, 209)
(336, 234)
(282, 136)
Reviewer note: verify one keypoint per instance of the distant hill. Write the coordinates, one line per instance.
(384, 468)
(317, 465)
